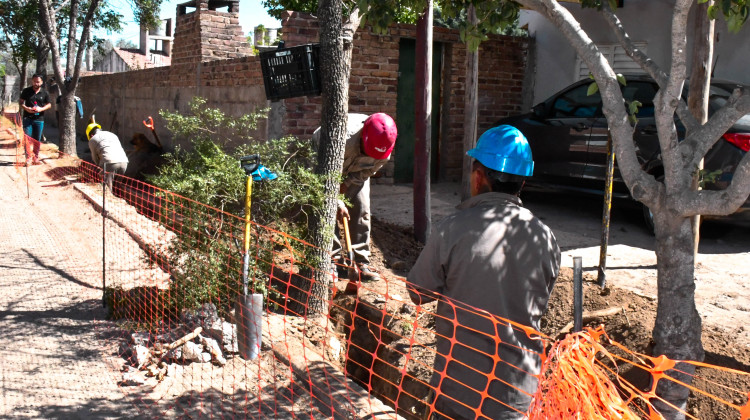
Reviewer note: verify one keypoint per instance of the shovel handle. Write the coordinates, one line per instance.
(346, 235)
(149, 123)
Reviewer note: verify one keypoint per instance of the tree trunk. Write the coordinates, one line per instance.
(423, 119)
(471, 105)
(677, 330)
(334, 65)
(700, 83)
(41, 51)
(72, 30)
(67, 123)
(24, 70)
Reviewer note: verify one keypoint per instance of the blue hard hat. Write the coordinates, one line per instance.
(504, 149)
(263, 173)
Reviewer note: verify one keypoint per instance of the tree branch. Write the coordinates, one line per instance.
(645, 62)
(667, 99)
(700, 141)
(62, 5)
(718, 203)
(643, 187)
(49, 28)
(349, 27)
(84, 40)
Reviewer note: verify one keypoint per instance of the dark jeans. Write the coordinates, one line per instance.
(33, 129)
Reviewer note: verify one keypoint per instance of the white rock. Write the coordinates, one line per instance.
(192, 352)
(140, 355)
(334, 347)
(132, 378)
(226, 332)
(214, 349)
(140, 338)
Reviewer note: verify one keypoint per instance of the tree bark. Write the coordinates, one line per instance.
(471, 105)
(41, 51)
(423, 119)
(677, 330)
(700, 82)
(335, 56)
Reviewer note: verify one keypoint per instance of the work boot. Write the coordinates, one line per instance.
(367, 274)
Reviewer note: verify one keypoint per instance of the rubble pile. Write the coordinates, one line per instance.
(201, 336)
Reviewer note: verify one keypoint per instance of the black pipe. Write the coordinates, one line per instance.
(104, 238)
(606, 212)
(577, 295)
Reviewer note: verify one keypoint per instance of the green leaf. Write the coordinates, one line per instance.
(712, 11)
(633, 106)
(621, 79)
(613, 4)
(726, 7)
(702, 1)
(593, 88)
(734, 23)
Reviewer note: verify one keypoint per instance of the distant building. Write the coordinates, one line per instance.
(155, 51)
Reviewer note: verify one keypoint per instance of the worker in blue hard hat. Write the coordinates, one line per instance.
(492, 255)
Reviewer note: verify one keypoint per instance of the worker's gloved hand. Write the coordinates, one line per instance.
(342, 212)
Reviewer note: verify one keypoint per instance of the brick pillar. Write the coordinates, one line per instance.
(206, 34)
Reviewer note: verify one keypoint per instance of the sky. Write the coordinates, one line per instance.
(252, 14)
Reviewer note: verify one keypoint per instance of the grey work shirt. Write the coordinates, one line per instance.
(106, 148)
(494, 255)
(358, 167)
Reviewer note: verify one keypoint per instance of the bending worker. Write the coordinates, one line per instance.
(495, 255)
(106, 151)
(369, 143)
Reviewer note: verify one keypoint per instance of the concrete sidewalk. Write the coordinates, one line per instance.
(52, 364)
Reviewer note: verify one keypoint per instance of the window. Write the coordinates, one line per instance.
(642, 92)
(576, 103)
(617, 58)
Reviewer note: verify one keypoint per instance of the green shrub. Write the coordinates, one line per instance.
(206, 256)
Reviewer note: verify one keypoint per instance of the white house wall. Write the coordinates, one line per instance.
(644, 20)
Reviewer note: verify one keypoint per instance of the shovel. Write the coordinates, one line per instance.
(249, 308)
(352, 271)
(149, 123)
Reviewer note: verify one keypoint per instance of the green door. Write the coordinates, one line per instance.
(404, 150)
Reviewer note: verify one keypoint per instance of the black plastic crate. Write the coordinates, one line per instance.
(291, 72)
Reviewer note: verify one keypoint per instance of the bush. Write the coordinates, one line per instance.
(206, 256)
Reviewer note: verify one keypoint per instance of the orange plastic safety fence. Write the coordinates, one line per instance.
(581, 378)
(27, 149)
(172, 277)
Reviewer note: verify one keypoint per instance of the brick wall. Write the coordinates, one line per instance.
(374, 82)
(124, 100)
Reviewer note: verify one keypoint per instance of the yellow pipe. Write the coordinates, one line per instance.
(248, 194)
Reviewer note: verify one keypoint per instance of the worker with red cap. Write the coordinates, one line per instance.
(369, 143)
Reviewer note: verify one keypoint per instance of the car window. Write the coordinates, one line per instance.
(576, 103)
(717, 97)
(643, 92)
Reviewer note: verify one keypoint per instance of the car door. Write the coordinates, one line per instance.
(645, 136)
(559, 142)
